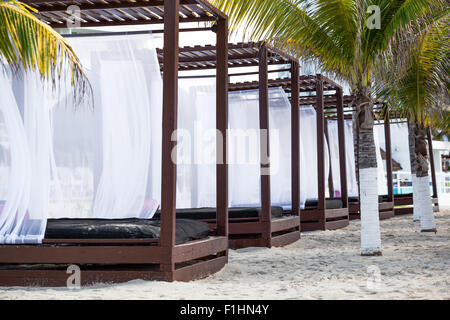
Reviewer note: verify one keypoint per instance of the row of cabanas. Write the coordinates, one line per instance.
(109, 189)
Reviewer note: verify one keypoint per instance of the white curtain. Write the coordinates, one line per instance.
(25, 159)
(244, 149)
(196, 152)
(333, 143)
(113, 168)
(280, 147)
(399, 144)
(308, 156)
(381, 170)
(61, 160)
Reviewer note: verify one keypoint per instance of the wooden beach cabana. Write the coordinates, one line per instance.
(267, 225)
(159, 258)
(322, 213)
(385, 201)
(404, 203)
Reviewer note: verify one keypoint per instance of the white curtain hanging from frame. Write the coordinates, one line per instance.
(244, 148)
(61, 161)
(308, 156)
(25, 154)
(333, 143)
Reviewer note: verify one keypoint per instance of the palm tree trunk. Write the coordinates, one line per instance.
(423, 204)
(370, 221)
(412, 158)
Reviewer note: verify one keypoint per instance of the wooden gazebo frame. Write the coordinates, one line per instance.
(317, 218)
(385, 207)
(127, 259)
(262, 231)
(403, 204)
(393, 204)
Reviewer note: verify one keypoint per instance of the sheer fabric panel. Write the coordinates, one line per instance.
(308, 156)
(352, 184)
(59, 159)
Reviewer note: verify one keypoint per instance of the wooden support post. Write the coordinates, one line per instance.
(170, 109)
(295, 138)
(387, 139)
(432, 167)
(320, 148)
(342, 151)
(264, 144)
(356, 128)
(222, 126)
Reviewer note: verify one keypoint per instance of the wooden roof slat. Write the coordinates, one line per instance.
(97, 13)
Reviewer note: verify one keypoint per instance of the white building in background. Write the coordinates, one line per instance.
(400, 153)
(440, 149)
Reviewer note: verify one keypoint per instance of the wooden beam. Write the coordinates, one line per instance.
(222, 126)
(264, 143)
(170, 110)
(342, 150)
(320, 145)
(432, 167)
(295, 139)
(387, 139)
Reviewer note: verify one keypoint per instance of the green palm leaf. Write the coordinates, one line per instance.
(415, 79)
(28, 43)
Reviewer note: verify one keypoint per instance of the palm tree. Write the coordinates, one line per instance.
(345, 38)
(26, 43)
(414, 81)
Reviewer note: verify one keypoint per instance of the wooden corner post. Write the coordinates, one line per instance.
(222, 126)
(342, 151)
(264, 144)
(321, 205)
(387, 139)
(295, 138)
(432, 166)
(169, 112)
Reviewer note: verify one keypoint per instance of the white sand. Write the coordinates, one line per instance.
(322, 265)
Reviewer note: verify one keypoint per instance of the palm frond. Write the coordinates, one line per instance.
(29, 44)
(291, 25)
(414, 78)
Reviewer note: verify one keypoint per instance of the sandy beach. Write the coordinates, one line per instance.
(322, 265)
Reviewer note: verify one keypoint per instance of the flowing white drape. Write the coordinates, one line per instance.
(61, 160)
(333, 143)
(280, 147)
(25, 160)
(381, 170)
(399, 145)
(308, 156)
(118, 168)
(244, 148)
(196, 156)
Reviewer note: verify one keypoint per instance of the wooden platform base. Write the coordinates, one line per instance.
(283, 231)
(399, 211)
(329, 219)
(386, 210)
(46, 265)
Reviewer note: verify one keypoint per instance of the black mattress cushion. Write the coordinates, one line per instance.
(331, 203)
(353, 199)
(210, 213)
(186, 230)
(382, 198)
(404, 195)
